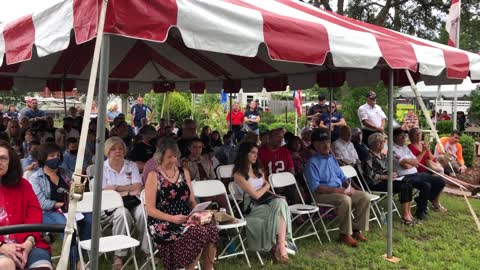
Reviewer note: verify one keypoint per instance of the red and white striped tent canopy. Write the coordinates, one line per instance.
(208, 44)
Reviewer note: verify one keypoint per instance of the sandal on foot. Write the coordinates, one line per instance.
(408, 222)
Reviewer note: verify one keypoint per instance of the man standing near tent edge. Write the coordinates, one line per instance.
(371, 116)
(138, 112)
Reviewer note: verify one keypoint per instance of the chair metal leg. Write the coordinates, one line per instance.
(260, 258)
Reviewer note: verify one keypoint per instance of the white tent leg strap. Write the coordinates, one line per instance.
(425, 112)
(77, 181)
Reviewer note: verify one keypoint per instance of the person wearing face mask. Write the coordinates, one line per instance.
(51, 185)
(70, 157)
(30, 164)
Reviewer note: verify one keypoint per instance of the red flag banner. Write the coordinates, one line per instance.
(453, 21)
(297, 101)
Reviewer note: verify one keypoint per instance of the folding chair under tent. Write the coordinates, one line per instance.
(168, 45)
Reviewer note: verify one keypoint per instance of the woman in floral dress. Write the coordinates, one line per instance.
(168, 201)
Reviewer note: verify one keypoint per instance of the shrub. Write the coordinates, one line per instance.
(263, 126)
(288, 126)
(445, 127)
(468, 146)
(266, 118)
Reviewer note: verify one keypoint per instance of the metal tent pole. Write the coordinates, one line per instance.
(330, 111)
(64, 96)
(230, 99)
(390, 165)
(97, 189)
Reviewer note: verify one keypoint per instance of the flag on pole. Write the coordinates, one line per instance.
(453, 22)
(297, 101)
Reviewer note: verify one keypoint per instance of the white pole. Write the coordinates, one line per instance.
(457, 44)
(296, 123)
(76, 190)
(436, 104)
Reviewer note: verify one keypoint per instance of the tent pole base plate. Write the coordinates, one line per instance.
(393, 259)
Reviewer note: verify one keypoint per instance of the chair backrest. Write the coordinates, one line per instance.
(110, 200)
(208, 188)
(233, 189)
(309, 190)
(350, 172)
(91, 171)
(283, 179)
(225, 171)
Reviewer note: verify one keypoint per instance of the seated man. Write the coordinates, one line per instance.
(328, 184)
(405, 163)
(343, 148)
(199, 166)
(453, 153)
(360, 147)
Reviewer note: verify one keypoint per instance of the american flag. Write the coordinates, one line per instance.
(453, 21)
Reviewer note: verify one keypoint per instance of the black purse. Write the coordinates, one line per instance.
(248, 201)
(130, 202)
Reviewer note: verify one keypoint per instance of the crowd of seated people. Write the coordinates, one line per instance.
(164, 160)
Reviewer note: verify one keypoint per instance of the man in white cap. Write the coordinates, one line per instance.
(371, 116)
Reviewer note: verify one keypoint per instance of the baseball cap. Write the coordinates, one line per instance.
(371, 94)
(320, 134)
(28, 99)
(321, 97)
(397, 131)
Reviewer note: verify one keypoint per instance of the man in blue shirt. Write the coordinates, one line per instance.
(34, 113)
(330, 186)
(138, 112)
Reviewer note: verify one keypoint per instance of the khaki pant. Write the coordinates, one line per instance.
(118, 227)
(359, 201)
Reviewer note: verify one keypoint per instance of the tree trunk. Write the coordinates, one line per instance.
(340, 4)
(382, 15)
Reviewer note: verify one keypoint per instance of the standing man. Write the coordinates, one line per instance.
(28, 103)
(318, 109)
(34, 113)
(252, 118)
(371, 116)
(237, 121)
(138, 112)
(335, 123)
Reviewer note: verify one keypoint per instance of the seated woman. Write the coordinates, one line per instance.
(50, 185)
(375, 173)
(19, 205)
(168, 201)
(269, 225)
(425, 157)
(122, 176)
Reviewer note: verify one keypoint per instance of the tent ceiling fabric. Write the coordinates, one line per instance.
(213, 45)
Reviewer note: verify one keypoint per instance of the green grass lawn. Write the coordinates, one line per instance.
(444, 241)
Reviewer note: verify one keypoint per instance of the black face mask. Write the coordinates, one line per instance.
(73, 152)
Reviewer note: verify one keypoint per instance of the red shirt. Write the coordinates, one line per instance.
(20, 206)
(417, 152)
(237, 118)
(275, 161)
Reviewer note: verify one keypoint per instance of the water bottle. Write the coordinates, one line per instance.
(384, 216)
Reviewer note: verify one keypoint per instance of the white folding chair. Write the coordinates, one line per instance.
(226, 171)
(210, 188)
(330, 208)
(286, 179)
(151, 250)
(110, 200)
(382, 194)
(234, 191)
(351, 173)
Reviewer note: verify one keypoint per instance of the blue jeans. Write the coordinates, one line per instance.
(84, 228)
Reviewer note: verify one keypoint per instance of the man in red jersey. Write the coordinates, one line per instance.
(237, 121)
(276, 159)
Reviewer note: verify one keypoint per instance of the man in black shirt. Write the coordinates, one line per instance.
(318, 109)
(139, 111)
(252, 118)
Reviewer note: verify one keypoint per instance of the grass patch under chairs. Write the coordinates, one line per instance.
(444, 241)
